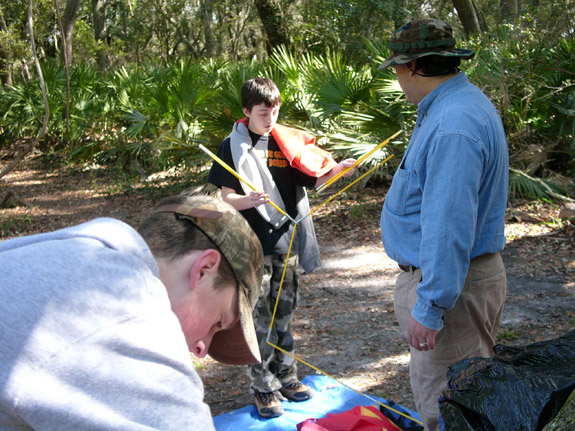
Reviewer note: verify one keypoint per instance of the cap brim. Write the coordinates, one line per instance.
(395, 59)
(389, 61)
(237, 345)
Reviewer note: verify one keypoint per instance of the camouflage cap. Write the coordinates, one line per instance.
(240, 246)
(423, 37)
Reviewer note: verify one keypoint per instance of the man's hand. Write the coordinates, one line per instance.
(420, 337)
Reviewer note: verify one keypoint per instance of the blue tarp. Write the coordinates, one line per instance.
(331, 397)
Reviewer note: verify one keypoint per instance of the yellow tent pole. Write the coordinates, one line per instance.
(235, 174)
(229, 169)
(282, 281)
(347, 386)
(357, 162)
(346, 187)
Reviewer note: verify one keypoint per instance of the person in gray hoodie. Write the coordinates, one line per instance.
(97, 321)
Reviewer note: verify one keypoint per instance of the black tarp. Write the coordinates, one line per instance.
(520, 389)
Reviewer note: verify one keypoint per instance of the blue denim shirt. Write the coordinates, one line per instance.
(446, 204)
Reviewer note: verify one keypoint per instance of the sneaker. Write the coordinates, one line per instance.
(268, 405)
(297, 391)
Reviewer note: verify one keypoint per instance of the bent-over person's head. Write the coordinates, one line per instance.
(211, 263)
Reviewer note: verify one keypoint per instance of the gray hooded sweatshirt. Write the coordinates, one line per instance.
(88, 340)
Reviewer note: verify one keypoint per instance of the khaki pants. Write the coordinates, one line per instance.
(469, 329)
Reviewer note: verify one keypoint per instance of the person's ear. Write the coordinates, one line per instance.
(205, 268)
(246, 112)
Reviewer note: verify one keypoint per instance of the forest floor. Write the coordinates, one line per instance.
(344, 325)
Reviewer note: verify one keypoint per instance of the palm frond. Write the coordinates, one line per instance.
(522, 185)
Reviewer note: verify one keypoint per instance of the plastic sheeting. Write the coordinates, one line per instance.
(331, 397)
(521, 388)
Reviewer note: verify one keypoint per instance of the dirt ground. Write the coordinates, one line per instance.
(344, 325)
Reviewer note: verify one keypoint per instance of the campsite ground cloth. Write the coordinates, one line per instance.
(331, 397)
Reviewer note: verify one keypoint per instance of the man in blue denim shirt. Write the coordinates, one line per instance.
(444, 216)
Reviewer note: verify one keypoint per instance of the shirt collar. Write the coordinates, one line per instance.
(442, 90)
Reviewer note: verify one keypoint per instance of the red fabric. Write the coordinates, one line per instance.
(357, 419)
(300, 150)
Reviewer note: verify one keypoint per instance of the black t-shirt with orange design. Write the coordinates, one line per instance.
(286, 178)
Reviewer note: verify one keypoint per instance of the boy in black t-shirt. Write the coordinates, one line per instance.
(280, 163)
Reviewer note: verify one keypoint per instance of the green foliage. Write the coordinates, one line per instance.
(561, 98)
(530, 75)
(525, 72)
(344, 23)
(337, 100)
(227, 79)
(522, 185)
(20, 107)
(161, 110)
(507, 336)
(153, 115)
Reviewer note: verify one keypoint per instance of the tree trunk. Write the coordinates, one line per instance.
(480, 17)
(273, 22)
(468, 17)
(5, 60)
(206, 16)
(66, 53)
(68, 21)
(508, 9)
(99, 24)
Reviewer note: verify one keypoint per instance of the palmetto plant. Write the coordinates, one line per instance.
(23, 108)
(21, 111)
(157, 114)
(561, 92)
(530, 80)
(162, 108)
(227, 107)
(335, 100)
(522, 185)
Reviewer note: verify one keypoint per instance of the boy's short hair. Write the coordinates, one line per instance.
(260, 90)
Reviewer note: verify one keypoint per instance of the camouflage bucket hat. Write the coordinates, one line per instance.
(423, 37)
(240, 246)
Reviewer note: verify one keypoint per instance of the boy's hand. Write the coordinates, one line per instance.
(347, 163)
(258, 198)
(336, 170)
(243, 202)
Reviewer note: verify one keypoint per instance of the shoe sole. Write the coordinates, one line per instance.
(270, 416)
(297, 400)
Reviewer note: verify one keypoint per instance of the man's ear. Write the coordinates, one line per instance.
(205, 268)
(246, 112)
